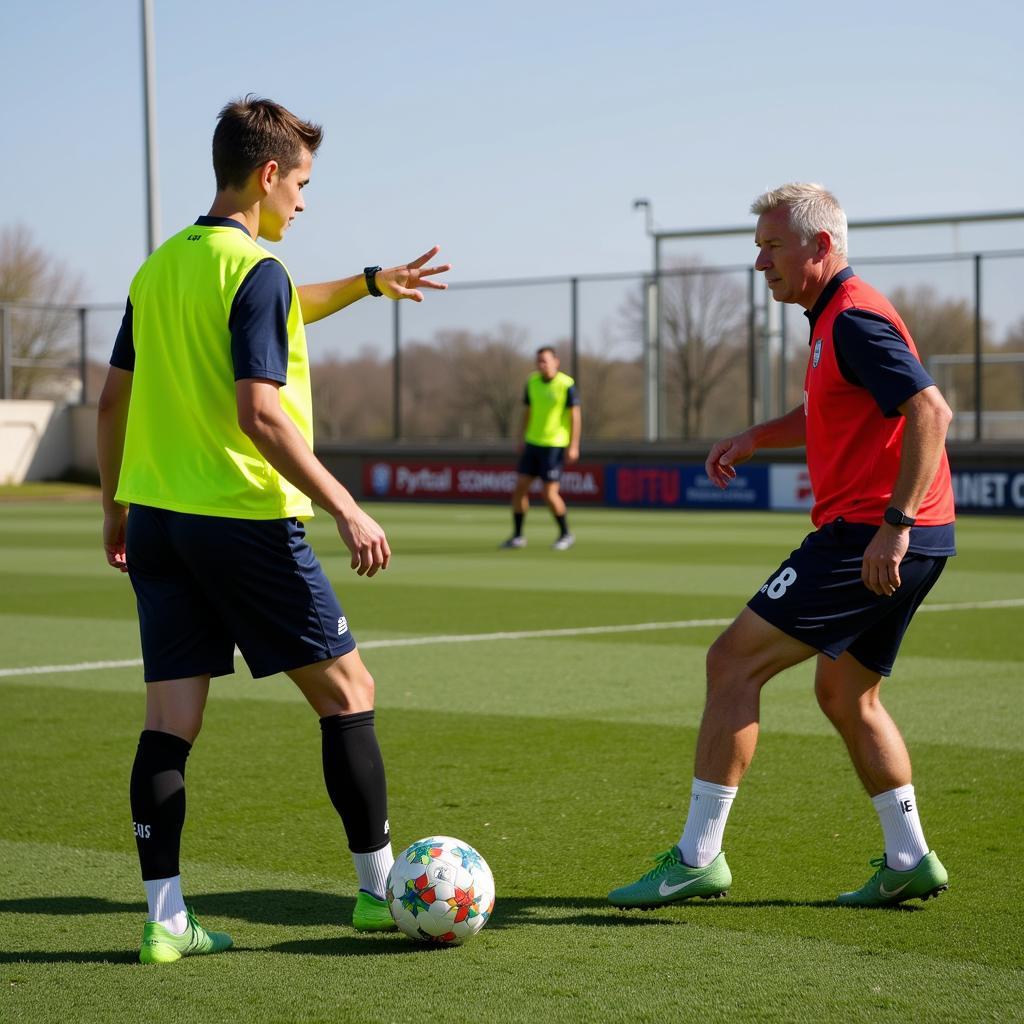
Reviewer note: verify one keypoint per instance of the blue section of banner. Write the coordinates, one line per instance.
(668, 486)
(989, 490)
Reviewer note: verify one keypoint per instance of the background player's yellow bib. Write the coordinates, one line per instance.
(550, 422)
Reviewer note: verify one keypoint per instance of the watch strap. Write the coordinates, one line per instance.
(897, 517)
(370, 273)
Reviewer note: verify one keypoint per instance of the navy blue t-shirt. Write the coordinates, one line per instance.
(258, 321)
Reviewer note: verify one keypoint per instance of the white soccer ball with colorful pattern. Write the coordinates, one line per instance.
(440, 890)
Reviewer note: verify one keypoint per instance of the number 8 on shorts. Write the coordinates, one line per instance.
(778, 586)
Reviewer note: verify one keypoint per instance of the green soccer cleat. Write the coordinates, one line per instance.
(671, 881)
(887, 887)
(371, 914)
(159, 946)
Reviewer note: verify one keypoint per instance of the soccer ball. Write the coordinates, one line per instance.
(440, 890)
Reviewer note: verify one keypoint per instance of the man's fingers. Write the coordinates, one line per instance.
(417, 263)
(439, 285)
(429, 271)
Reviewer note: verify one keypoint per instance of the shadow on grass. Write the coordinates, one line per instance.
(304, 908)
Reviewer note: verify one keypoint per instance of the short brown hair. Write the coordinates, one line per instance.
(252, 131)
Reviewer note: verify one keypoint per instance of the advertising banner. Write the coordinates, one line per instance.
(989, 490)
(790, 487)
(469, 481)
(682, 486)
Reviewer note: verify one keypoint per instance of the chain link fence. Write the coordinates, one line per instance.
(694, 353)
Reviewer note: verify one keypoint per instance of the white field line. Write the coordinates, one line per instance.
(526, 634)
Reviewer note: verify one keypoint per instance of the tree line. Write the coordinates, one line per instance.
(467, 385)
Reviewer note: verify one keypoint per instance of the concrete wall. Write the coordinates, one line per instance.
(83, 441)
(35, 440)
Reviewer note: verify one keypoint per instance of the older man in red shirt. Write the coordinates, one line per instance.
(874, 425)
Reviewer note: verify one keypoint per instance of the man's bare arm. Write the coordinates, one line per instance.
(278, 440)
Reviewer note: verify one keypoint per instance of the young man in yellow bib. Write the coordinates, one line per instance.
(206, 461)
(551, 438)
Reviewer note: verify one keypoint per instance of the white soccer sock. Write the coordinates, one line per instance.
(701, 841)
(904, 838)
(166, 904)
(372, 870)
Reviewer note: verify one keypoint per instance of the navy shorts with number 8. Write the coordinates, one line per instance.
(817, 596)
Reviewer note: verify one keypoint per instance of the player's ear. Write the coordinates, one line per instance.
(266, 175)
(824, 240)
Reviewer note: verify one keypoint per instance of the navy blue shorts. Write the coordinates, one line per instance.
(543, 462)
(817, 596)
(205, 583)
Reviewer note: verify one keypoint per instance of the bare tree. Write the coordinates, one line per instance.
(30, 275)
(939, 326)
(703, 313)
(487, 372)
(352, 398)
(611, 391)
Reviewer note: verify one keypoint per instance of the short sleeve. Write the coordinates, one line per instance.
(572, 397)
(123, 355)
(874, 355)
(259, 323)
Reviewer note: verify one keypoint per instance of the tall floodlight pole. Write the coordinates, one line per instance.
(149, 89)
(652, 332)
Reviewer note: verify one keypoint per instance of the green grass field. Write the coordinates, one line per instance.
(565, 759)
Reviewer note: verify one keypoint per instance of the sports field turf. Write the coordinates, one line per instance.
(565, 759)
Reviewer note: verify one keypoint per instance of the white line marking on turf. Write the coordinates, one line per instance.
(525, 634)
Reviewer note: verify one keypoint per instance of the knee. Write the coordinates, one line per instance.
(185, 723)
(717, 661)
(726, 674)
(840, 708)
(355, 688)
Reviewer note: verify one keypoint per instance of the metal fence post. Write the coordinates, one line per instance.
(396, 371)
(657, 395)
(83, 355)
(6, 348)
(574, 340)
(650, 361)
(978, 421)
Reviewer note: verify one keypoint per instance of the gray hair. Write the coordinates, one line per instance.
(812, 208)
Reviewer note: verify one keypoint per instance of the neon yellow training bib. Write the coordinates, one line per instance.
(550, 422)
(184, 449)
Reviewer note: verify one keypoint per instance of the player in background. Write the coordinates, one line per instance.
(207, 470)
(551, 438)
(874, 425)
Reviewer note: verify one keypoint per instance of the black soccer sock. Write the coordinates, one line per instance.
(158, 801)
(354, 773)
(517, 523)
(563, 524)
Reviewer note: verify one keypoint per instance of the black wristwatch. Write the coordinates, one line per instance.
(370, 273)
(897, 517)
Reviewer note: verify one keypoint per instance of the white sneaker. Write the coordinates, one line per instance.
(514, 542)
(564, 543)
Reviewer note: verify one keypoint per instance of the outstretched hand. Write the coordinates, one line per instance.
(405, 281)
(725, 455)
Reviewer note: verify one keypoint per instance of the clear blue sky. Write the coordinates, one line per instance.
(514, 135)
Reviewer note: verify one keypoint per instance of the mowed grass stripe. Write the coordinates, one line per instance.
(465, 638)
